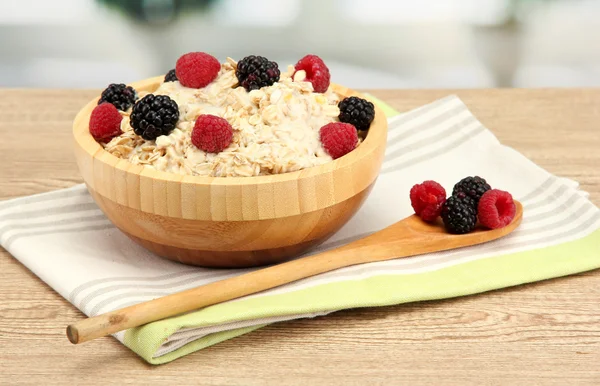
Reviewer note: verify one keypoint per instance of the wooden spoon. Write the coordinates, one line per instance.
(409, 237)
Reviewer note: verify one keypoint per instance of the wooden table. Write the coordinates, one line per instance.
(543, 333)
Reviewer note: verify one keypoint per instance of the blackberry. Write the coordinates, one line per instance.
(120, 95)
(153, 116)
(473, 187)
(254, 72)
(171, 76)
(357, 112)
(459, 214)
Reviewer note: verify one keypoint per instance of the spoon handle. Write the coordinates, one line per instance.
(409, 237)
(208, 294)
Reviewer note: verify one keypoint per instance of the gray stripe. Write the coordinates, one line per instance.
(436, 153)
(575, 197)
(420, 111)
(550, 198)
(82, 287)
(126, 295)
(76, 191)
(429, 124)
(190, 270)
(80, 207)
(530, 202)
(536, 192)
(533, 194)
(136, 289)
(197, 278)
(11, 239)
(542, 188)
(428, 141)
(573, 217)
(66, 221)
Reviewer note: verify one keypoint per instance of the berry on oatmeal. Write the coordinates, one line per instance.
(276, 129)
(459, 214)
(338, 138)
(211, 134)
(105, 122)
(153, 116)
(427, 199)
(496, 209)
(120, 95)
(357, 111)
(254, 72)
(171, 76)
(197, 69)
(316, 71)
(473, 187)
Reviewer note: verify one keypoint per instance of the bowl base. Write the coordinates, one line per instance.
(224, 259)
(230, 244)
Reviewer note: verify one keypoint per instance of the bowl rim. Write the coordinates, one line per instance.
(89, 145)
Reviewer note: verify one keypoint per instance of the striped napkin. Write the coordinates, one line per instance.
(65, 239)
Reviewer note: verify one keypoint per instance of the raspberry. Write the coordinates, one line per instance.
(317, 72)
(254, 72)
(473, 187)
(171, 76)
(153, 116)
(357, 111)
(338, 138)
(496, 209)
(105, 122)
(427, 199)
(459, 214)
(197, 69)
(120, 95)
(211, 133)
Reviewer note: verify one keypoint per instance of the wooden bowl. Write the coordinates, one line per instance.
(228, 221)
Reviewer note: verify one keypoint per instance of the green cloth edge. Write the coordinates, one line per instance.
(458, 280)
(462, 279)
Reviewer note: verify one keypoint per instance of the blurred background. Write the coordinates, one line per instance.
(366, 43)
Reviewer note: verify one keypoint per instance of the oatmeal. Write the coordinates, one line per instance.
(275, 128)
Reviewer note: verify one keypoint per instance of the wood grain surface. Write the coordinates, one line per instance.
(542, 333)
